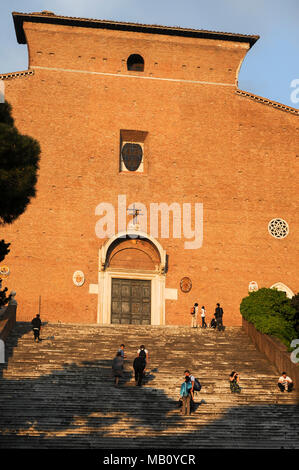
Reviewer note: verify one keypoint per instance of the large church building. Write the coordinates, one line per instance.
(161, 183)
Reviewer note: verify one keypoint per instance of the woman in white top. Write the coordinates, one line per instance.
(203, 317)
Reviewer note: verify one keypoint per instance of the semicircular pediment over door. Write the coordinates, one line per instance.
(134, 254)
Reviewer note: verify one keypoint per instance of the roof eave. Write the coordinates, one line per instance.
(19, 19)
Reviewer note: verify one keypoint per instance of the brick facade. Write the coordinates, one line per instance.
(206, 142)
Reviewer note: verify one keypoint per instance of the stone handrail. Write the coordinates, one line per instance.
(275, 351)
(7, 320)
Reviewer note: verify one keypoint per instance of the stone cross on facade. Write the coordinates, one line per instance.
(135, 212)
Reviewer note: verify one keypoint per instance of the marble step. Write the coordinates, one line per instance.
(60, 393)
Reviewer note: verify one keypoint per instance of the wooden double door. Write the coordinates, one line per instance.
(131, 301)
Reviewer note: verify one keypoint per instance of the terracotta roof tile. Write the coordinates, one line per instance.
(268, 102)
(23, 73)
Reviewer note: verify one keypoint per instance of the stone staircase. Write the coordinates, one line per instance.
(59, 393)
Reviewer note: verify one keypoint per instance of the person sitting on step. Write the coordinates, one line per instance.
(285, 383)
(234, 382)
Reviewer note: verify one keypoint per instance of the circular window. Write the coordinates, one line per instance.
(131, 156)
(278, 228)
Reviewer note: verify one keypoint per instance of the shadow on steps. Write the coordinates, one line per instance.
(79, 406)
(54, 399)
(22, 329)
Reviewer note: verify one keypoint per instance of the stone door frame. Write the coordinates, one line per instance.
(157, 278)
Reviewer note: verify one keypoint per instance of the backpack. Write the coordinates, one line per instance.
(142, 354)
(192, 311)
(197, 385)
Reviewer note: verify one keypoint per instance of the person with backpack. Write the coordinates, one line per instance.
(36, 327)
(143, 351)
(194, 312)
(139, 367)
(186, 395)
(144, 354)
(195, 387)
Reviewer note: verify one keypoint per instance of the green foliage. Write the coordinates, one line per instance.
(3, 249)
(295, 305)
(5, 114)
(272, 313)
(19, 157)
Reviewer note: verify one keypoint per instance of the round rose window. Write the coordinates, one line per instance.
(278, 228)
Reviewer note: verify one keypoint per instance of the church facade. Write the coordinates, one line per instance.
(161, 183)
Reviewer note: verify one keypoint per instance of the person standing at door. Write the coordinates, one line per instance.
(219, 317)
(194, 313)
(203, 317)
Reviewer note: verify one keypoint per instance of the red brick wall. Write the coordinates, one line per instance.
(205, 144)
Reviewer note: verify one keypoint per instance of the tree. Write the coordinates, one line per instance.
(3, 249)
(19, 157)
(272, 313)
(295, 305)
(19, 163)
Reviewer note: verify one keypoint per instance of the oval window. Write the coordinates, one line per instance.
(132, 156)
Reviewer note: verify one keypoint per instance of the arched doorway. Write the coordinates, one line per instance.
(132, 280)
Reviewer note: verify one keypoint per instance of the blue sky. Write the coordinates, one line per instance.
(268, 70)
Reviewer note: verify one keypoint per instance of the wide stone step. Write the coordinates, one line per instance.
(60, 393)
